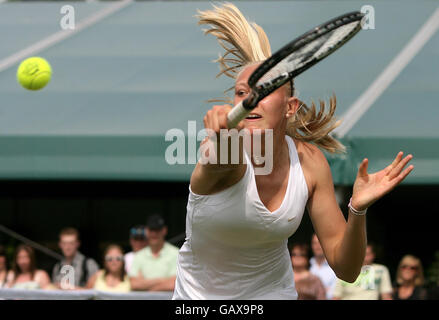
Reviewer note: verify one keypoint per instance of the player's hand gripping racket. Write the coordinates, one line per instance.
(293, 59)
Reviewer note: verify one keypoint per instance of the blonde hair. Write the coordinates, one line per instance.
(409, 259)
(246, 43)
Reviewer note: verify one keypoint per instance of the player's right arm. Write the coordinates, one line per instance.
(211, 177)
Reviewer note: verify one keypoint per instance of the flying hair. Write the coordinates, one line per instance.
(246, 43)
(242, 41)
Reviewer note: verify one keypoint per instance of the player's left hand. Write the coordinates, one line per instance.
(368, 188)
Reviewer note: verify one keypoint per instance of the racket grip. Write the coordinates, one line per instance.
(235, 115)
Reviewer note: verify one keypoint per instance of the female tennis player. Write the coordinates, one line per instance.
(238, 223)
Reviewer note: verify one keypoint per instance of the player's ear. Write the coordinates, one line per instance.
(292, 106)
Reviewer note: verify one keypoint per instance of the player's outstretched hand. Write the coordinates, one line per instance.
(368, 188)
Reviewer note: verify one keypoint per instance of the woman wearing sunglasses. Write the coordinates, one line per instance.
(113, 277)
(410, 280)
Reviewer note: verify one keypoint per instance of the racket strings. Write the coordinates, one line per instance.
(319, 47)
(336, 37)
(323, 43)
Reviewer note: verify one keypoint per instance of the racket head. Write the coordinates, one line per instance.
(311, 47)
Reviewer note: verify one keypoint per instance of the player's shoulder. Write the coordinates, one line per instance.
(310, 153)
(311, 157)
(313, 162)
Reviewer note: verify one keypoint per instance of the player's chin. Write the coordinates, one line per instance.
(256, 127)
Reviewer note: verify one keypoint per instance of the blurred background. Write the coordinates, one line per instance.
(88, 151)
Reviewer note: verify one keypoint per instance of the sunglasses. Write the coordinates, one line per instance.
(138, 233)
(413, 268)
(117, 258)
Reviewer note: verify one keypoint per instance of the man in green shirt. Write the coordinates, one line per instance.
(154, 268)
(373, 283)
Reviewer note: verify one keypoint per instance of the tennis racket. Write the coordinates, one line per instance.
(294, 58)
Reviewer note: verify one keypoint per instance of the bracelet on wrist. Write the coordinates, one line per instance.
(355, 211)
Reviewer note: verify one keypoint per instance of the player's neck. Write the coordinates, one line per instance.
(276, 153)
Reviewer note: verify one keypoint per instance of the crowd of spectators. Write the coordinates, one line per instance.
(150, 266)
(315, 279)
(152, 263)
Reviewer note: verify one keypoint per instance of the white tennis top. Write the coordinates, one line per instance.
(235, 247)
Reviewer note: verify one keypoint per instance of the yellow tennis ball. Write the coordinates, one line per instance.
(34, 73)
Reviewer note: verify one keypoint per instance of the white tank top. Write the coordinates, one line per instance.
(235, 247)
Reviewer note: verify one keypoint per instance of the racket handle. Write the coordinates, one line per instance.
(235, 115)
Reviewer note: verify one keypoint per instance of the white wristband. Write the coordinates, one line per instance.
(355, 211)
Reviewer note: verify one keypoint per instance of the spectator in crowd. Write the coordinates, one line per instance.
(409, 284)
(138, 241)
(308, 286)
(83, 267)
(24, 273)
(3, 267)
(373, 283)
(321, 268)
(113, 278)
(154, 267)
